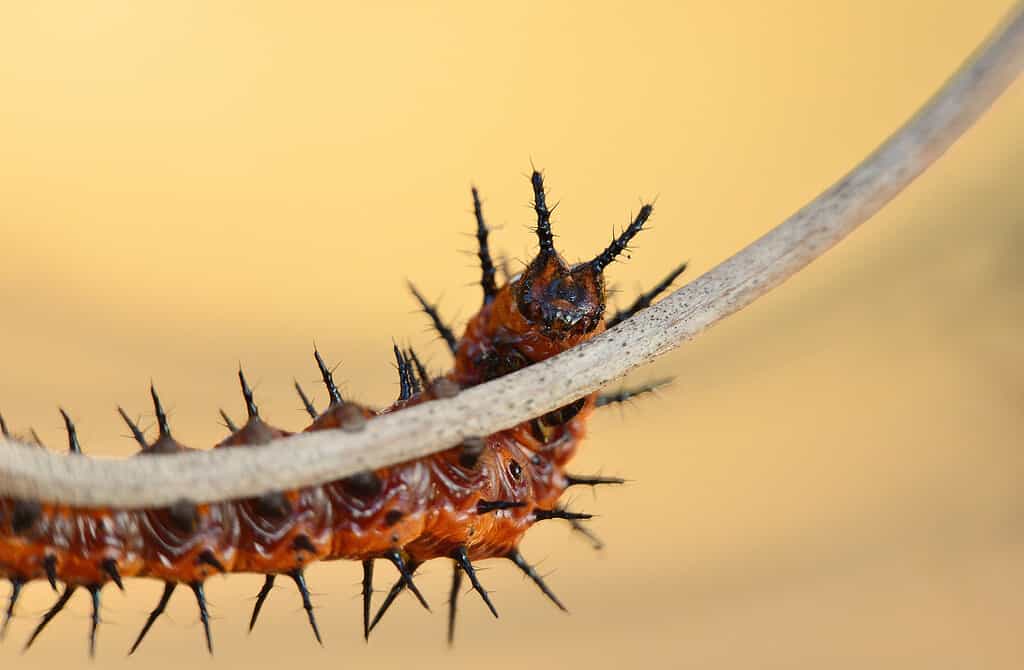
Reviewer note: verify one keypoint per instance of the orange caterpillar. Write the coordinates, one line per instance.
(470, 503)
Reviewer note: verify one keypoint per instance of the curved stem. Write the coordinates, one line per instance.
(311, 458)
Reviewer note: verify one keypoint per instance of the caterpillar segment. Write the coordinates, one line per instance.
(471, 503)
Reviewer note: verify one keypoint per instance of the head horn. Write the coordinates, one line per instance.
(619, 244)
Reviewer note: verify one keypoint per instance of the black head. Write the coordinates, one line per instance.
(566, 300)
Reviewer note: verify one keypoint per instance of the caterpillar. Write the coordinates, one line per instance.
(473, 502)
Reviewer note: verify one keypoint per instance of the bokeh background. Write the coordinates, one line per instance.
(834, 480)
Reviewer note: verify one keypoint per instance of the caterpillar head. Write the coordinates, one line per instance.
(566, 300)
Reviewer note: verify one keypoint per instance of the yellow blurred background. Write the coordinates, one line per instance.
(833, 481)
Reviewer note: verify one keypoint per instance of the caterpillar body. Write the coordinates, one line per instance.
(473, 502)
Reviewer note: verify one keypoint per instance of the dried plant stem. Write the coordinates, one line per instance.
(28, 472)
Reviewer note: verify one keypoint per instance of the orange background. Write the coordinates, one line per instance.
(833, 481)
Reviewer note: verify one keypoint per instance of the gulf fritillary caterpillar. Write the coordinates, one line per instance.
(470, 503)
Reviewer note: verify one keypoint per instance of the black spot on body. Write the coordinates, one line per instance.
(184, 515)
(26, 514)
(363, 484)
(303, 543)
(274, 505)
